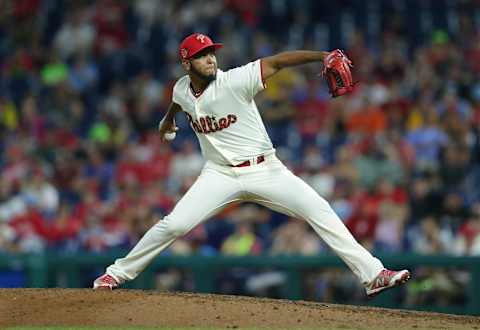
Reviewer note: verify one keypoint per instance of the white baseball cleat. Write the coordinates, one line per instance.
(387, 279)
(105, 282)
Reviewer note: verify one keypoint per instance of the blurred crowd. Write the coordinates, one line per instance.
(83, 85)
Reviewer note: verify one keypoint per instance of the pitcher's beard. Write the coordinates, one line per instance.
(206, 78)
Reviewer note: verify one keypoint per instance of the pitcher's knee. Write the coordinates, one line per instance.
(174, 227)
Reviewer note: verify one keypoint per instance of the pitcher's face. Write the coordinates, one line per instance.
(203, 65)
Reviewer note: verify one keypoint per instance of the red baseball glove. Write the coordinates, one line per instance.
(337, 73)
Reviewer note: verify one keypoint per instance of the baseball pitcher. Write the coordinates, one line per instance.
(241, 163)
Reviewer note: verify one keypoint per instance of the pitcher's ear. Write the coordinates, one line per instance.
(186, 65)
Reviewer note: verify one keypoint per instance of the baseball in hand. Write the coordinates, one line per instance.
(169, 136)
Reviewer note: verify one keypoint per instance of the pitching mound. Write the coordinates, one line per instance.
(122, 308)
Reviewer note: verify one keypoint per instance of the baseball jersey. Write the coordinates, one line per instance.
(225, 117)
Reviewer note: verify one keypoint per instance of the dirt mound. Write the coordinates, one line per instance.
(73, 307)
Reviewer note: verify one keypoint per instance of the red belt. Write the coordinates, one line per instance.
(260, 159)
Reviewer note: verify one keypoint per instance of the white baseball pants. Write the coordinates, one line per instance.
(270, 184)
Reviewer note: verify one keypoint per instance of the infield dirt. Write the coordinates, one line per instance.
(129, 308)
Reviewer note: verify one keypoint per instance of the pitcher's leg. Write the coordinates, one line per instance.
(208, 195)
(283, 191)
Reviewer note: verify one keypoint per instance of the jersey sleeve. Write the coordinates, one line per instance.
(175, 96)
(179, 90)
(247, 80)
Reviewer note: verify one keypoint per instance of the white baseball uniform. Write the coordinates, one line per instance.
(228, 125)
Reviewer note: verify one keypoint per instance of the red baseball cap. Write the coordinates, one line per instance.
(194, 43)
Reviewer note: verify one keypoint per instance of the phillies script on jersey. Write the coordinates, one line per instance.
(209, 124)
